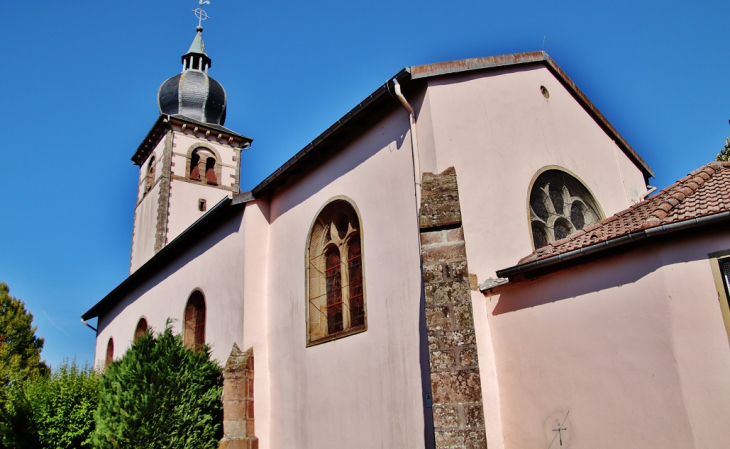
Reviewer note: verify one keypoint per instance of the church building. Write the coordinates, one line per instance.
(471, 257)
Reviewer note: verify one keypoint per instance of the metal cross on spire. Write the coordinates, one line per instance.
(200, 12)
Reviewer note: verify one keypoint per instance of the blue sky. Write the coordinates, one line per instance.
(80, 83)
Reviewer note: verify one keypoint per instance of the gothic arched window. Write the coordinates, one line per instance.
(194, 331)
(109, 353)
(559, 206)
(336, 296)
(150, 176)
(141, 328)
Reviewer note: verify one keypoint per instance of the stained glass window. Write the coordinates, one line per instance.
(194, 331)
(109, 353)
(336, 291)
(141, 328)
(559, 206)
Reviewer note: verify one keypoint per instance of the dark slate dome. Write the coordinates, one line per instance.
(193, 93)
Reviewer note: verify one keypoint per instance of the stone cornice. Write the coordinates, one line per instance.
(187, 126)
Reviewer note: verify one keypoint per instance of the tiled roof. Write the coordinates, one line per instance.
(705, 191)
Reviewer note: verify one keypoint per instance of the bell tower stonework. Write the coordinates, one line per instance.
(188, 161)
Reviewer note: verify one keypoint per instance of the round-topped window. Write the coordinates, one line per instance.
(559, 206)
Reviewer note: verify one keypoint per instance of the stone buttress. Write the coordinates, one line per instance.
(455, 380)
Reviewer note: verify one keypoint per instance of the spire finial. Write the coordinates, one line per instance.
(201, 14)
(196, 58)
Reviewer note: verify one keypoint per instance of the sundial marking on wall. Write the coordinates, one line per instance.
(558, 430)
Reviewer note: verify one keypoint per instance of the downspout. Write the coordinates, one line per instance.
(648, 192)
(414, 142)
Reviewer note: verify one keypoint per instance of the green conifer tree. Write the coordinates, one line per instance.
(725, 152)
(20, 349)
(161, 393)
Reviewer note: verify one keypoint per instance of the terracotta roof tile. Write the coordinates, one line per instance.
(705, 191)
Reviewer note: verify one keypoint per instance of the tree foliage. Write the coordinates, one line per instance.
(160, 394)
(52, 412)
(20, 349)
(725, 152)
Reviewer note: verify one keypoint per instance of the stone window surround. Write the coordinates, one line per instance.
(595, 204)
(143, 186)
(218, 163)
(721, 285)
(149, 179)
(346, 332)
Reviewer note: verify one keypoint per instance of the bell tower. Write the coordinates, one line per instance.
(188, 161)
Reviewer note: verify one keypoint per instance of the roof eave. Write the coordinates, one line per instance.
(162, 257)
(279, 176)
(494, 62)
(559, 261)
(159, 127)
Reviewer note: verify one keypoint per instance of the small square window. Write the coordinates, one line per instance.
(202, 205)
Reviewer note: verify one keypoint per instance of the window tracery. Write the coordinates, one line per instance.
(336, 296)
(559, 206)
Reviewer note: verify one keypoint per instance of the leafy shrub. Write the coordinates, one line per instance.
(160, 394)
(52, 412)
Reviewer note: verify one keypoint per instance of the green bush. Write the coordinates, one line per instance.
(160, 394)
(52, 412)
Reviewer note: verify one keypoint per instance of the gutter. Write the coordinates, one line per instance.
(143, 272)
(623, 241)
(267, 183)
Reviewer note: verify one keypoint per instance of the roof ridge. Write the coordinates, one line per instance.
(672, 196)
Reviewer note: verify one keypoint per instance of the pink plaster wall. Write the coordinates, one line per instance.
(365, 389)
(183, 201)
(255, 258)
(497, 129)
(632, 349)
(211, 266)
(145, 214)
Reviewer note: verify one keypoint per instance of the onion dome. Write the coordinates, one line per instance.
(193, 93)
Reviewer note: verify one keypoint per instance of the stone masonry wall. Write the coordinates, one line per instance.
(238, 416)
(163, 207)
(458, 410)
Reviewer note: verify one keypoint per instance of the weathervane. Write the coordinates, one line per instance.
(200, 12)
